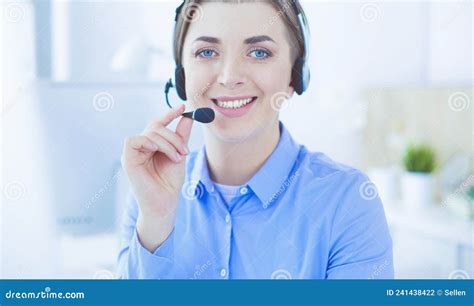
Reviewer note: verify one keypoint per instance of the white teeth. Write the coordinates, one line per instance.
(234, 104)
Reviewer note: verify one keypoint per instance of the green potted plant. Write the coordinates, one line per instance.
(419, 162)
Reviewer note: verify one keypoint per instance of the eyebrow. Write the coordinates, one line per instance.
(208, 39)
(247, 41)
(257, 39)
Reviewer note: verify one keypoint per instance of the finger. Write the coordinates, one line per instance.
(134, 147)
(183, 128)
(165, 147)
(170, 116)
(172, 138)
(140, 142)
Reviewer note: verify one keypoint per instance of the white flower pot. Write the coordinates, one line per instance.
(417, 190)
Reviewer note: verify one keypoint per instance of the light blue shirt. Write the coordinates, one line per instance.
(301, 216)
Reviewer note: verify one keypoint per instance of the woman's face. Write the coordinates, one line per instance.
(237, 61)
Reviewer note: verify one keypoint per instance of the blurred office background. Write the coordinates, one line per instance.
(80, 76)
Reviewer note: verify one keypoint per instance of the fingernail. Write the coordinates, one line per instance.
(178, 157)
(179, 110)
(185, 149)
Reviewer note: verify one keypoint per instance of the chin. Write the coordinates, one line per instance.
(233, 131)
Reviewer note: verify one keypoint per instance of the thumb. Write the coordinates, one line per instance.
(183, 128)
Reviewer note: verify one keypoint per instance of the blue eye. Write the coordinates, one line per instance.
(260, 54)
(206, 53)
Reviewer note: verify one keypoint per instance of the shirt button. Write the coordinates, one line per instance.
(244, 190)
(227, 218)
(223, 272)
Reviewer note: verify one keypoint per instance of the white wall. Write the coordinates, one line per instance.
(356, 45)
(26, 219)
(96, 29)
(450, 43)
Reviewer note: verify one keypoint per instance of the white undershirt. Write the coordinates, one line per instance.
(228, 192)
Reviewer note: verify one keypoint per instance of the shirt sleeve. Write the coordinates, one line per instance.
(136, 262)
(361, 245)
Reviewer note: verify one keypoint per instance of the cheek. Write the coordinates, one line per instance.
(274, 83)
(198, 81)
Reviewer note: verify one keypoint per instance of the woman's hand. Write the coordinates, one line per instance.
(155, 165)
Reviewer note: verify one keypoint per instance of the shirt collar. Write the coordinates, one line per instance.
(200, 171)
(269, 179)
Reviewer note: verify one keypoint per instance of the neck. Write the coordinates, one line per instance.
(236, 163)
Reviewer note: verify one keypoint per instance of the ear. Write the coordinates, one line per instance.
(290, 91)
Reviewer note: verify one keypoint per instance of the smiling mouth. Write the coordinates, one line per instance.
(235, 104)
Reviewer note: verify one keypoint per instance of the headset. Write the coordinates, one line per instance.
(300, 74)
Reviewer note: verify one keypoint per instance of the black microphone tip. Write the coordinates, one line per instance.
(203, 115)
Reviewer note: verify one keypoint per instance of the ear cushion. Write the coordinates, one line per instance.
(300, 76)
(180, 82)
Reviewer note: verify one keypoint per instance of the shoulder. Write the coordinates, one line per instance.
(335, 183)
(342, 195)
(320, 166)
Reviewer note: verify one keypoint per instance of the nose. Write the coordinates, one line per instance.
(231, 74)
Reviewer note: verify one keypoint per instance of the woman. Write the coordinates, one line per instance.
(252, 203)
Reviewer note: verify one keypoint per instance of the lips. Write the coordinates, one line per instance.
(233, 103)
(234, 107)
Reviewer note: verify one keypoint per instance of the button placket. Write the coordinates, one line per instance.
(224, 272)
